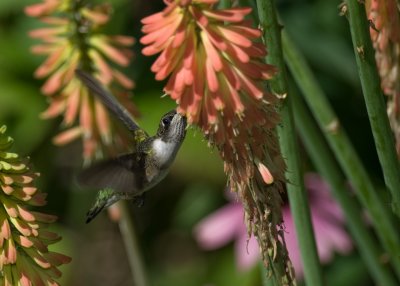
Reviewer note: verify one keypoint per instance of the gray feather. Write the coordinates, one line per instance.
(108, 100)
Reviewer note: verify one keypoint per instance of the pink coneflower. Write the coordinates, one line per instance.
(70, 41)
(385, 35)
(213, 60)
(226, 224)
(24, 257)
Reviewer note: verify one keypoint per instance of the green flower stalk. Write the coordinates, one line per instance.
(374, 101)
(385, 36)
(25, 258)
(287, 137)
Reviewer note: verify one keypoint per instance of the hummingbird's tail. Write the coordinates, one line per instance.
(105, 198)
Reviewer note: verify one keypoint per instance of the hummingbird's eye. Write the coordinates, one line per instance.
(166, 121)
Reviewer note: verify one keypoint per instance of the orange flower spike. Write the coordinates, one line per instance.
(214, 37)
(21, 230)
(65, 53)
(215, 75)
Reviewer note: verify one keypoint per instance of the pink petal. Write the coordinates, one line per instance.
(180, 35)
(154, 18)
(229, 15)
(189, 54)
(122, 40)
(160, 36)
(53, 83)
(212, 80)
(212, 54)
(217, 100)
(101, 65)
(55, 108)
(72, 107)
(237, 52)
(102, 121)
(122, 79)
(246, 31)
(85, 119)
(67, 136)
(220, 227)
(46, 32)
(265, 173)
(111, 52)
(216, 39)
(51, 63)
(235, 37)
(29, 190)
(231, 75)
(165, 58)
(249, 86)
(157, 21)
(291, 243)
(247, 251)
(96, 17)
(25, 215)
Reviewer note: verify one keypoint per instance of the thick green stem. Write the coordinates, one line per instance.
(295, 188)
(324, 161)
(370, 82)
(132, 246)
(344, 152)
(265, 280)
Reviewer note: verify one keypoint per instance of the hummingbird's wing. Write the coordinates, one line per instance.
(122, 174)
(112, 104)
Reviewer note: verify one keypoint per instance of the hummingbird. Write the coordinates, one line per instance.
(129, 176)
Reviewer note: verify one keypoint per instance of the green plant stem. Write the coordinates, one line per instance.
(324, 161)
(370, 82)
(265, 280)
(287, 136)
(128, 233)
(344, 152)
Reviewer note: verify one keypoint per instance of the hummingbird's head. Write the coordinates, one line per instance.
(172, 127)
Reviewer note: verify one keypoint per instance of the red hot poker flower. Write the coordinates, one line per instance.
(72, 42)
(215, 70)
(213, 60)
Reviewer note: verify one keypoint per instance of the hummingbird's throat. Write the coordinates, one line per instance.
(164, 151)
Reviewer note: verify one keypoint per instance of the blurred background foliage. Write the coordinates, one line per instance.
(195, 186)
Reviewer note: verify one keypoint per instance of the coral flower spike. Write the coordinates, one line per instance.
(213, 63)
(71, 40)
(215, 70)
